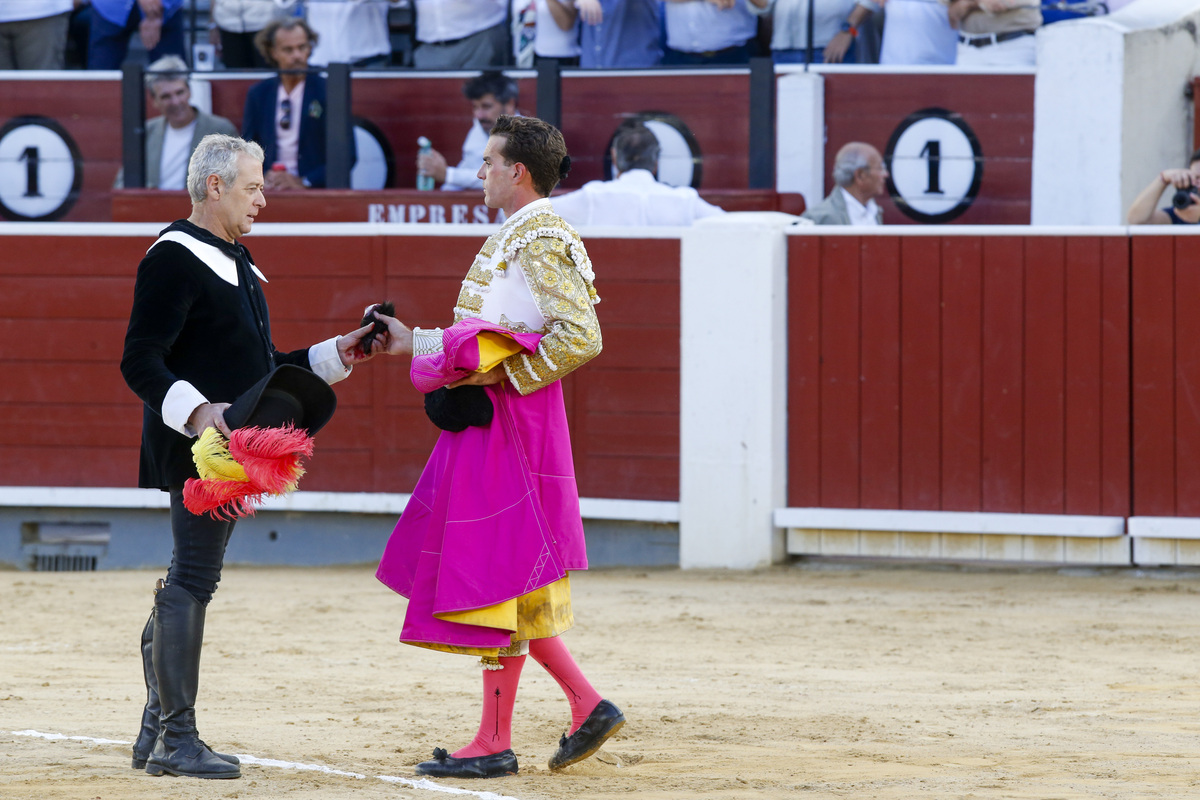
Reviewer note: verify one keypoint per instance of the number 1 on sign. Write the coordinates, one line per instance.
(30, 157)
(932, 152)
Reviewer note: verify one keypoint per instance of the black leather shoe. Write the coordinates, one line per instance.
(605, 720)
(445, 765)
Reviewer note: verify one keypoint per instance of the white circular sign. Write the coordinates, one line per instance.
(40, 169)
(373, 165)
(936, 166)
(676, 164)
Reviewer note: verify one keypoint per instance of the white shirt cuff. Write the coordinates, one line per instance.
(325, 362)
(426, 342)
(181, 400)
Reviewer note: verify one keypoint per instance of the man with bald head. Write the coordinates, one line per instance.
(860, 176)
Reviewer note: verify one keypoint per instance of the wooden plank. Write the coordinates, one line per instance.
(1115, 424)
(839, 387)
(1003, 352)
(1153, 362)
(1083, 436)
(1045, 291)
(920, 373)
(1187, 380)
(962, 380)
(880, 424)
(804, 371)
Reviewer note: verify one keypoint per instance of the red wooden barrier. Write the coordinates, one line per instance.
(868, 107)
(67, 419)
(959, 373)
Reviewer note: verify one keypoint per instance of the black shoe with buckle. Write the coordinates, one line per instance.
(445, 765)
(605, 720)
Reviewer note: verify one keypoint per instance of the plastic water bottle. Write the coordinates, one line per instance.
(424, 182)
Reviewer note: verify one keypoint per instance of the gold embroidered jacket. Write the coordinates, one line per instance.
(559, 275)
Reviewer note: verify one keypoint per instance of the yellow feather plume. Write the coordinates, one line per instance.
(213, 461)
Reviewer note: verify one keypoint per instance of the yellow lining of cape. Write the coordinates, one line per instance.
(494, 347)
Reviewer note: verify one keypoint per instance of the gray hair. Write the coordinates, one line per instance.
(167, 68)
(636, 147)
(849, 160)
(217, 154)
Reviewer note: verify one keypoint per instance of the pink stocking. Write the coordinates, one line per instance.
(554, 656)
(499, 695)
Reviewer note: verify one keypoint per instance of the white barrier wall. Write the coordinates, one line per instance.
(1110, 109)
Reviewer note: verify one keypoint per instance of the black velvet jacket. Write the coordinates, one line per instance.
(188, 324)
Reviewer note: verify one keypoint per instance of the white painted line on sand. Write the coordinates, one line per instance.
(415, 783)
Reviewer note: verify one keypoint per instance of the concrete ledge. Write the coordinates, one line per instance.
(652, 511)
(861, 519)
(950, 546)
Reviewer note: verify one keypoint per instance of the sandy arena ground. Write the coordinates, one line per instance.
(802, 681)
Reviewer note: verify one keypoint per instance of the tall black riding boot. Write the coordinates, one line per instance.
(178, 635)
(150, 724)
(149, 732)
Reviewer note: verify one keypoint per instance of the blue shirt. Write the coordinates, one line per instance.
(117, 11)
(701, 27)
(629, 36)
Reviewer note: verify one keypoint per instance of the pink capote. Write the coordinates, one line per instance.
(495, 513)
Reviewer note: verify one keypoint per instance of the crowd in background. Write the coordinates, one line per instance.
(481, 34)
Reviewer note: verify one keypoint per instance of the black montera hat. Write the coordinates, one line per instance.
(289, 394)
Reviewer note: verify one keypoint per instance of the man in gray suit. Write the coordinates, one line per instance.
(861, 176)
(171, 138)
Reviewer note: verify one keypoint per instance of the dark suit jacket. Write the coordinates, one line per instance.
(188, 324)
(258, 124)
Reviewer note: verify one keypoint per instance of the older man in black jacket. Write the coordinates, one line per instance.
(199, 336)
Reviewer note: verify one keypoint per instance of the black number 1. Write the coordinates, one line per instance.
(933, 148)
(30, 157)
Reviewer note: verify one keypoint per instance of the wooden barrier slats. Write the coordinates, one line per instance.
(920, 373)
(962, 376)
(839, 387)
(1154, 398)
(984, 373)
(1187, 380)
(1002, 398)
(880, 385)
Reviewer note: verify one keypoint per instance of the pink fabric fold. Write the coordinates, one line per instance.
(460, 354)
(494, 515)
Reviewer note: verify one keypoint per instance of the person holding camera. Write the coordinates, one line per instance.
(1185, 201)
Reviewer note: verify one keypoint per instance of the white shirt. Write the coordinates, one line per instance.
(633, 198)
(790, 20)
(860, 214)
(287, 142)
(176, 150)
(700, 27)
(552, 41)
(349, 31)
(18, 10)
(464, 176)
(447, 20)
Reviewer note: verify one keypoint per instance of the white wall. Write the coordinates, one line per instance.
(1110, 109)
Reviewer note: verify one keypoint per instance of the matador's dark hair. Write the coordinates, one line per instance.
(536, 144)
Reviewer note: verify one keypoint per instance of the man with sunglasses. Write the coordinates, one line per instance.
(286, 114)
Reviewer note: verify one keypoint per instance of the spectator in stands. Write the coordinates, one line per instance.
(171, 137)
(33, 33)
(634, 197)
(710, 31)
(286, 114)
(917, 32)
(557, 35)
(620, 33)
(466, 34)
(158, 23)
(861, 176)
(237, 22)
(1145, 210)
(996, 33)
(835, 29)
(491, 94)
(351, 32)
